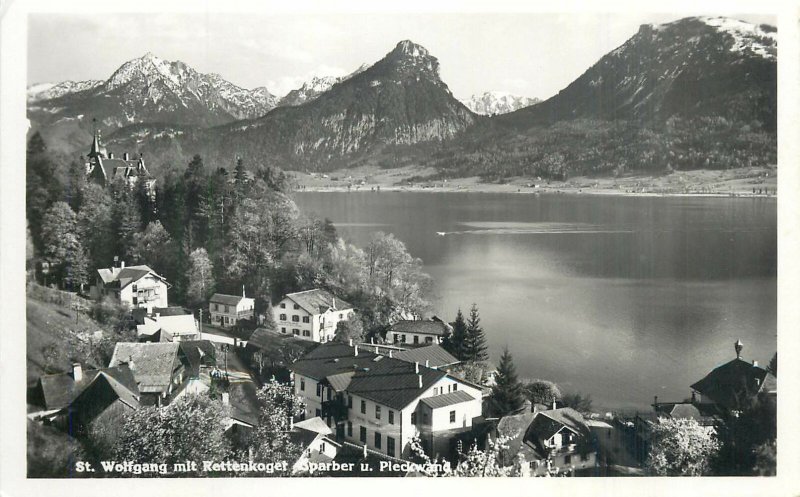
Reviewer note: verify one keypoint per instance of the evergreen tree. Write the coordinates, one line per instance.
(456, 341)
(61, 245)
(475, 348)
(42, 186)
(507, 393)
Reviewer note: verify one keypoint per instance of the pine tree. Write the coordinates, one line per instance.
(456, 340)
(475, 349)
(507, 393)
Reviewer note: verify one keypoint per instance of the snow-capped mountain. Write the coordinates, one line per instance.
(46, 91)
(146, 90)
(492, 103)
(315, 87)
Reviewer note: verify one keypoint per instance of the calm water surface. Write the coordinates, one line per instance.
(623, 298)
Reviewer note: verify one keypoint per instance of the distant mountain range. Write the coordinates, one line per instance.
(492, 103)
(715, 76)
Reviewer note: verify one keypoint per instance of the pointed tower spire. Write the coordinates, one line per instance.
(738, 346)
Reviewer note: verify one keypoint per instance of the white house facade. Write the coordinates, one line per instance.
(418, 331)
(136, 286)
(311, 315)
(227, 310)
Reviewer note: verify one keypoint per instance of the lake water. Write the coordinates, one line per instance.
(619, 297)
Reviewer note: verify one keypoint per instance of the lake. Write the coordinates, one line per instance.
(619, 297)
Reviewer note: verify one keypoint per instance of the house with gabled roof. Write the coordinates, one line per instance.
(103, 168)
(311, 315)
(317, 442)
(226, 310)
(137, 286)
(174, 328)
(162, 371)
(418, 331)
(383, 402)
(552, 441)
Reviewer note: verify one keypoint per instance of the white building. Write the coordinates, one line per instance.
(383, 402)
(227, 310)
(418, 331)
(175, 328)
(136, 286)
(311, 315)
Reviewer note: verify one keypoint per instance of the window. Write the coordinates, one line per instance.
(362, 434)
(303, 384)
(377, 440)
(306, 333)
(349, 401)
(283, 317)
(295, 318)
(416, 339)
(403, 338)
(134, 288)
(283, 305)
(341, 316)
(413, 418)
(452, 416)
(306, 319)
(322, 448)
(390, 446)
(295, 331)
(533, 464)
(363, 407)
(226, 320)
(283, 329)
(349, 428)
(391, 417)
(455, 386)
(568, 459)
(428, 340)
(377, 412)
(296, 306)
(216, 307)
(318, 413)
(227, 309)
(319, 389)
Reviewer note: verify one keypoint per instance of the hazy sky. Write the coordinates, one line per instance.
(529, 54)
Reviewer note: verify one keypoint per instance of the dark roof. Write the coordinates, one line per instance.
(221, 298)
(339, 382)
(515, 427)
(434, 354)
(171, 311)
(152, 363)
(122, 277)
(243, 400)
(318, 301)
(60, 390)
(548, 423)
(732, 383)
(421, 326)
(198, 353)
(332, 358)
(102, 391)
(392, 382)
(447, 399)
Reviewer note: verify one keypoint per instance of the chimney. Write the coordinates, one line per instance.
(554, 404)
(243, 295)
(122, 264)
(426, 363)
(738, 346)
(372, 340)
(77, 372)
(126, 156)
(755, 364)
(355, 349)
(390, 353)
(111, 155)
(226, 399)
(333, 302)
(416, 367)
(420, 380)
(350, 342)
(376, 349)
(158, 315)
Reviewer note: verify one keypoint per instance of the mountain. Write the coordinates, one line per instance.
(315, 87)
(492, 103)
(399, 100)
(697, 66)
(47, 91)
(144, 90)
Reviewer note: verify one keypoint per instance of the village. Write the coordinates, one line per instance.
(300, 380)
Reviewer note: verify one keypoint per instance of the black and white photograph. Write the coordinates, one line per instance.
(353, 242)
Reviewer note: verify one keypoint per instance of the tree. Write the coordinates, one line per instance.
(745, 439)
(191, 428)
(680, 447)
(458, 337)
(153, 247)
(201, 278)
(579, 402)
(270, 440)
(542, 392)
(95, 225)
(352, 329)
(773, 365)
(61, 245)
(507, 393)
(475, 348)
(475, 372)
(42, 186)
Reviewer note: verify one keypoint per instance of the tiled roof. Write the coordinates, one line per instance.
(125, 276)
(221, 298)
(198, 353)
(548, 423)
(434, 354)
(447, 399)
(516, 427)
(392, 382)
(316, 424)
(104, 386)
(339, 382)
(61, 389)
(318, 301)
(421, 326)
(332, 358)
(152, 363)
(732, 383)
